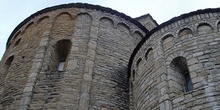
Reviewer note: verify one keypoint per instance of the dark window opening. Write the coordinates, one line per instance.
(62, 49)
(188, 82)
(181, 71)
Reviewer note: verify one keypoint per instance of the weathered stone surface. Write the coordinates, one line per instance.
(196, 45)
(76, 56)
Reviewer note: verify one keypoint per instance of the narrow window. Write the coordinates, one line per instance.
(62, 48)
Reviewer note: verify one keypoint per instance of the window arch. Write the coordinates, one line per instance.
(62, 49)
(181, 76)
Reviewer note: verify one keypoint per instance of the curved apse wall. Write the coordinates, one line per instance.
(71, 56)
(181, 70)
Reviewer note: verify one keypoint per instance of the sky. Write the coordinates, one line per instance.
(13, 12)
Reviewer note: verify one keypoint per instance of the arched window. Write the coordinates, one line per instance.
(62, 49)
(181, 75)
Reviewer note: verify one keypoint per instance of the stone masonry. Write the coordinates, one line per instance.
(88, 57)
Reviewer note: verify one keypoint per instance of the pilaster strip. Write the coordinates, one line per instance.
(88, 70)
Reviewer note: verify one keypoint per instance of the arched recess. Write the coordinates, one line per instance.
(106, 22)
(123, 27)
(6, 67)
(29, 27)
(139, 65)
(204, 28)
(137, 36)
(167, 41)
(82, 31)
(185, 33)
(179, 76)
(17, 42)
(62, 25)
(42, 19)
(149, 54)
(43, 25)
(16, 35)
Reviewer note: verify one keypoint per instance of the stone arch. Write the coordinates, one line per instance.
(204, 28)
(139, 64)
(8, 62)
(84, 14)
(107, 22)
(185, 32)
(167, 41)
(62, 26)
(64, 16)
(16, 35)
(123, 26)
(7, 66)
(17, 42)
(179, 79)
(29, 27)
(138, 33)
(148, 53)
(42, 19)
(84, 18)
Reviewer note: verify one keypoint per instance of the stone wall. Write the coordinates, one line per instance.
(188, 44)
(95, 60)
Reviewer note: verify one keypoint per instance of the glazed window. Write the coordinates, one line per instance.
(62, 49)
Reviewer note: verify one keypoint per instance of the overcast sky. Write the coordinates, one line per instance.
(12, 12)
